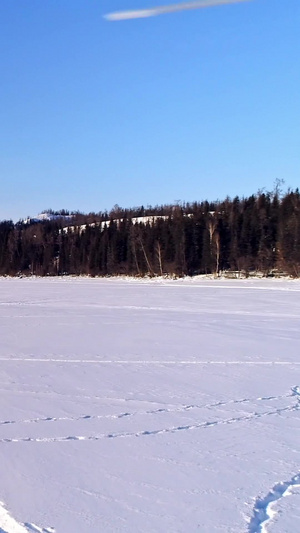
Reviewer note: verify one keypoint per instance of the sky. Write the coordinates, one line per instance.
(193, 105)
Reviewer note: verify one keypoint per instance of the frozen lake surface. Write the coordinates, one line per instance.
(149, 406)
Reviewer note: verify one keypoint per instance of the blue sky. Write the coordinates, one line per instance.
(187, 106)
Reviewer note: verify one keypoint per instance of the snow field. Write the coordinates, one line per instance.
(149, 407)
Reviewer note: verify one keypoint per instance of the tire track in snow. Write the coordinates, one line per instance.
(295, 391)
(264, 511)
(144, 433)
(149, 362)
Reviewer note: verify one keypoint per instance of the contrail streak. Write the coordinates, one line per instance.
(162, 10)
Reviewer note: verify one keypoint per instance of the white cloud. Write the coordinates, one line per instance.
(161, 10)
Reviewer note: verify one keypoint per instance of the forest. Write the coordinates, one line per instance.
(259, 233)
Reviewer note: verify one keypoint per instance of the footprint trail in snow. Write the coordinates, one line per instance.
(294, 393)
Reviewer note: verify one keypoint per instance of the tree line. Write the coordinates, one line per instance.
(256, 233)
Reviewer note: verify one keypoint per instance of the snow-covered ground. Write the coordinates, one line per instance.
(149, 406)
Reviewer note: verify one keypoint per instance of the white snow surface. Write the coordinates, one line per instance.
(149, 406)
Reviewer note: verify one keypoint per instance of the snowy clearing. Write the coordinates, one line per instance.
(149, 406)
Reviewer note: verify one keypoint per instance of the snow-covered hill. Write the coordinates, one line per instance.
(46, 217)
